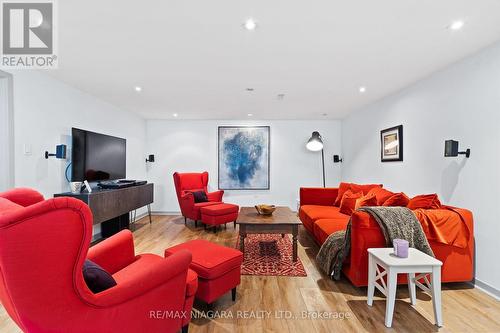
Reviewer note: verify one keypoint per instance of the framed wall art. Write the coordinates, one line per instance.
(391, 144)
(244, 157)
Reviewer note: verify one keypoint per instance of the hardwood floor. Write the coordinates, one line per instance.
(288, 304)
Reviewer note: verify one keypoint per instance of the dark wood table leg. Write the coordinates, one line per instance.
(242, 238)
(295, 232)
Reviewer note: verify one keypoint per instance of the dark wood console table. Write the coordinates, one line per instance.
(111, 207)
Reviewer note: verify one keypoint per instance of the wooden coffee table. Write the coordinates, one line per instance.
(283, 221)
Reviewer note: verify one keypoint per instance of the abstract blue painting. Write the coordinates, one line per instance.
(244, 158)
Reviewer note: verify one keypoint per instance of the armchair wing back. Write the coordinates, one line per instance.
(43, 245)
(185, 184)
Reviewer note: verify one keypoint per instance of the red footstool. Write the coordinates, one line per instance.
(218, 268)
(219, 214)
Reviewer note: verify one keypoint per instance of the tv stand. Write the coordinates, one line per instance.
(111, 207)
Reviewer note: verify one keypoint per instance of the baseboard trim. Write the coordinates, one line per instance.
(486, 288)
(165, 213)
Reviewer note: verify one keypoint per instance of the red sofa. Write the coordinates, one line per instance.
(43, 245)
(321, 218)
(185, 184)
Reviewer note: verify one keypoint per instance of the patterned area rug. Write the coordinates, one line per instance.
(270, 255)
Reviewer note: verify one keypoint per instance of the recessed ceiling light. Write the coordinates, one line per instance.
(138, 89)
(362, 89)
(456, 25)
(175, 115)
(250, 24)
(250, 114)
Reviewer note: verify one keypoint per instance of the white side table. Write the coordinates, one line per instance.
(417, 262)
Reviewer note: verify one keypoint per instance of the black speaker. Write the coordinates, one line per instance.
(450, 148)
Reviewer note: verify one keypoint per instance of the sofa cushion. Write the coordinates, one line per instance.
(424, 201)
(367, 200)
(310, 213)
(381, 193)
(397, 200)
(210, 260)
(343, 187)
(348, 203)
(325, 227)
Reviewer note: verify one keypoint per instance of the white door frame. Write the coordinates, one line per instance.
(6, 132)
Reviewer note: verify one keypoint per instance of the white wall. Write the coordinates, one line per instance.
(191, 146)
(6, 131)
(461, 102)
(45, 110)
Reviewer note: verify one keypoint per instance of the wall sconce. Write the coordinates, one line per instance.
(451, 149)
(151, 158)
(60, 152)
(337, 159)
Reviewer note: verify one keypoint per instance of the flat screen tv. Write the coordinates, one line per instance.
(97, 157)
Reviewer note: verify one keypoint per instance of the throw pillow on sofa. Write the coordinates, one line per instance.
(381, 194)
(348, 203)
(397, 200)
(424, 201)
(343, 187)
(369, 200)
(364, 188)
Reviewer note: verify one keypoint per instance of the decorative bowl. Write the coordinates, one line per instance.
(265, 209)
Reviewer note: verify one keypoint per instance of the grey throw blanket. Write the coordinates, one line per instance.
(395, 222)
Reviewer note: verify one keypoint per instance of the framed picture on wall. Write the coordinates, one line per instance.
(243, 157)
(391, 144)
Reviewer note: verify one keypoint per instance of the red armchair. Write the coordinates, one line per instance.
(43, 244)
(185, 184)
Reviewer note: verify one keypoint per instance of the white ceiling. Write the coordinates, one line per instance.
(194, 58)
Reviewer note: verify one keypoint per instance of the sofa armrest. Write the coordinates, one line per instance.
(318, 196)
(114, 253)
(171, 271)
(215, 196)
(23, 196)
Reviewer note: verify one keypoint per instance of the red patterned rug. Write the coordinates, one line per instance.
(270, 255)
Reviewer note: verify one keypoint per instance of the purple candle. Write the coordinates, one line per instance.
(400, 248)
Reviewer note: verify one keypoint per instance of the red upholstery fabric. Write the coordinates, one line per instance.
(218, 267)
(7, 206)
(23, 196)
(209, 260)
(219, 214)
(185, 183)
(381, 193)
(192, 283)
(310, 213)
(454, 248)
(424, 201)
(220, 209)
(325, 227)
(317, 196)
(343, 187)
(42, 250)
(397, 200)
(367, 200)
(348, 203)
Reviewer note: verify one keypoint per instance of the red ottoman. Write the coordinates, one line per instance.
(219, 214)
(218, 268)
